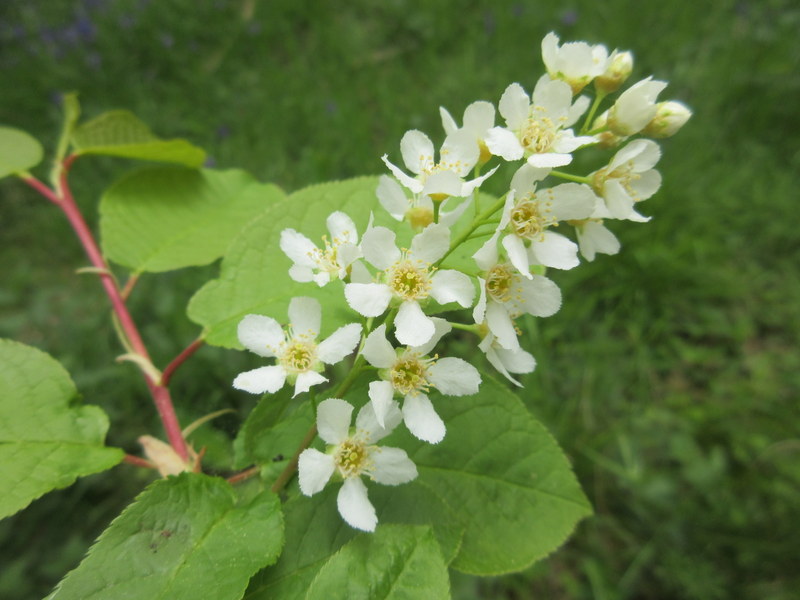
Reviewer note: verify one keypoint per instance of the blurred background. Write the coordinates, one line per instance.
(670, 376)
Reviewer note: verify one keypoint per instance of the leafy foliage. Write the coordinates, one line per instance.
(184, 537)
(166, 218)
(19, 151)
(46, 442)
(121, 133)
(254, 274)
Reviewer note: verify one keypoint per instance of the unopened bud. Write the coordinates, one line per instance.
(605, 139)
(619, 69)
(670, 117)
(163, 456)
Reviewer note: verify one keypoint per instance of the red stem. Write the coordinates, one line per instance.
(161, 397)
(247, 474)
(179, 360)
(138, 462)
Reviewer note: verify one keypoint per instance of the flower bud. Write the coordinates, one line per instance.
(618, 71)
(163, 456)
(670, 117)
(605, 139)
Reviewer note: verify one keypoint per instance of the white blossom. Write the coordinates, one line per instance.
(410, 373)
(351, 454)
(299, 357)
(505, 295)
(517, 361)
(409, 277)
(438, 180)
(478, 120)
(629, 178)
(537, 127)
(635, 107)
(417, 209)
(322, 265)
(575, 63)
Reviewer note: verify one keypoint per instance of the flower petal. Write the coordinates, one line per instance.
(479, 118)
(431, 243)
(339, 344)
(354, 505)
(449, 285)
(454, 377)
(549, 159)
(262, 380)
(368, 299)
(501, 325)
(304, 317)
(422, 420)
(417, 151)
(448, 122)
(392, 466)
(411, 183)
(260, 334)
(517, 254)
(305, 380)
(412, 326)
(379, 248)
(367, 422)
(342, 228)
(314, 469)
(514, 106)
(333, 420)
(554, 250)
(504, 143)
(392, 197)
(298, 247)
(377, 349)
(380, 395)
(570, 201)
(540, 298)
(442, 328)
(479, 312)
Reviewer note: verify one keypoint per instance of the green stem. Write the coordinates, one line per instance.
(571, 177)
(477, 222)
(471, 328)
(595, 105)
(436, 206)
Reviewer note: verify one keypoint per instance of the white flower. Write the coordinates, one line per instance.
(505, 295)
(417, 210)
(439, 180)
(321, 266)
(478, 120)
(300, 357)
(669, 118)
(575, 63)
(595, 238)
(629, 178)
(620, 66)
(409, 277)
(507, 361)
(352, 454)
(635, 107)
(411, 373)
(537, 128)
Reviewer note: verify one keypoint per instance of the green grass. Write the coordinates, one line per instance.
(671, 375)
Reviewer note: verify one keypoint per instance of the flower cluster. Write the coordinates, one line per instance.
(488, 255)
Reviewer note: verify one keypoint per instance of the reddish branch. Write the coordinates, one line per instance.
(179, 360)
(161, 397)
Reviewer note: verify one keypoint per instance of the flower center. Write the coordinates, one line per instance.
(299, 356)
(500, 282)
(409, 375)
(537, 135)
(530, 218)
(410, 281)
(351, 457)
(419, 217)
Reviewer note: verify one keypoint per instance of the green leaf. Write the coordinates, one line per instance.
(315, 532)
(504, 475)
(397, 561)
(183, 538)
(121, 133)
(164, 218)
(254, 276)
(47, 441)
(19, 151)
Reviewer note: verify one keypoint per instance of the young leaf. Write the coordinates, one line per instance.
(505, 477)
(46, 440)
(164, 218)
(315, 531)
(19, 151)
(121, 133)
(254, 276)
(397, 561)
(183, 538)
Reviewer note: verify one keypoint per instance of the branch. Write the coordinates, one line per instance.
(179, 360)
